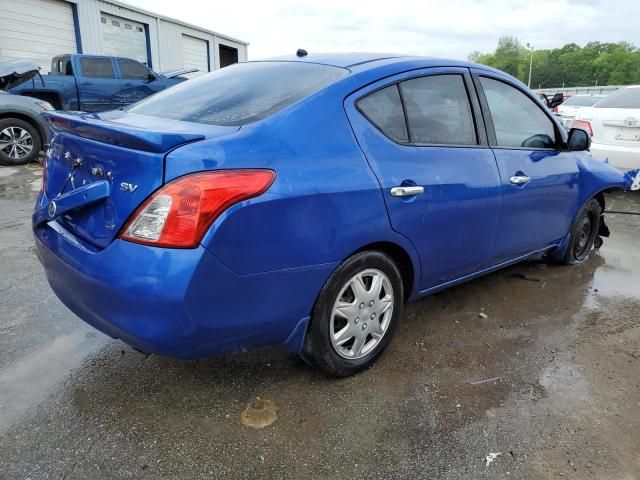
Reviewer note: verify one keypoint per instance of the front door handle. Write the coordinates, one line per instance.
(408, 191)
(519, 179)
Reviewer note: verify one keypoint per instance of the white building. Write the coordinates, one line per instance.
(42, 29)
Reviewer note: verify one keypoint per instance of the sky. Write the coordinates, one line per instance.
(445, 28)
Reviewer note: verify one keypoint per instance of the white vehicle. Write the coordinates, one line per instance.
(614, 124)
(570, 108)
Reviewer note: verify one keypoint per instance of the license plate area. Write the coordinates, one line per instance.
(628, 134)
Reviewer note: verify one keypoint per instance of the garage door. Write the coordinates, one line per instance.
(195, 54)
(37, 30)
(123, 38)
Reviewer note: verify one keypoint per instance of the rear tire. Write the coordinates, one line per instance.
(20, 142)
(584, 233)
(355, 315)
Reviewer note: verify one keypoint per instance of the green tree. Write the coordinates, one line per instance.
(570, 65)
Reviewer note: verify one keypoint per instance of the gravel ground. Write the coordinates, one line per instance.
(549, 381)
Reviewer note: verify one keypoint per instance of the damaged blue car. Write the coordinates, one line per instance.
(302, 201)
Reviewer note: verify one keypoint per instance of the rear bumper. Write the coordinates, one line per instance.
(178, 302)
(623, 158)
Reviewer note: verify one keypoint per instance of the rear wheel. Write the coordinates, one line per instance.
(584, 233)
(355, 315)
(19, 142)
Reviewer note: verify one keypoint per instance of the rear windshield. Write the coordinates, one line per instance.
(239, 94)
(623, 98)
(581, 101)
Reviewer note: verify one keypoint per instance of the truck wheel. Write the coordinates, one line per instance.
(20, 142)
(355, 315)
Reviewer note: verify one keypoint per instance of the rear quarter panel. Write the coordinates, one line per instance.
(324, 204)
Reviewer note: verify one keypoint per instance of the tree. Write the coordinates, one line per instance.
(571, 65)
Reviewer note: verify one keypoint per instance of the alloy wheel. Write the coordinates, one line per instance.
(16, 142)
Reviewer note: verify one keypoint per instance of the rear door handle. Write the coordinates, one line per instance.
(519, 179)
(408, 191)
(127, 84)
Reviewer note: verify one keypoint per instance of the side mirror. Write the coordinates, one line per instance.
(151, 77)
(579, 140)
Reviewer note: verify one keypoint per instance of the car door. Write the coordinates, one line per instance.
(98, 84)
(423, 137)
(138, 81)
(539, 175)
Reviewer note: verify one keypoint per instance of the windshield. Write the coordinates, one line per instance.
(239, 94)
(582, 100)
(623, 98)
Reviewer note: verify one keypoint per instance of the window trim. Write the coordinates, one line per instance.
(474, 107)
(491, 132)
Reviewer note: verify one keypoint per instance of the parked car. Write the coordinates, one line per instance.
(300, 202)
(23, 131)
(569, 109)
(95, 83)
(614, 124)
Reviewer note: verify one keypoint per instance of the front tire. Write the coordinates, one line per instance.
(20, 142)
(584, 233)
(355, 315)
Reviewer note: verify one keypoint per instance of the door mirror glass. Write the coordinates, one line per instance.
(579, 140)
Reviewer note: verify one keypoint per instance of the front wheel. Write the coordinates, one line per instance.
(355, 315)
(19, 142)
(584, 233)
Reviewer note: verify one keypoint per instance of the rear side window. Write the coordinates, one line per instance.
(518, 121)
(438, 110)
(581, 101)
(239, 94)
(623, 98)
(97, 67)
(131, 70)
(384, 109)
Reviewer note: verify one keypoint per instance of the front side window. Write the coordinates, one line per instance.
(383, 108)
(438, 110)
(97, 67)
(131, 70)
(239, 94)
(518, 121)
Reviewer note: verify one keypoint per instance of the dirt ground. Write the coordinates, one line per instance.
(549, 381)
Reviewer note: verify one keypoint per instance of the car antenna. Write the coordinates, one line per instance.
(301, 52)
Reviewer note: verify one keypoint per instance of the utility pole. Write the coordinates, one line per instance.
(530, 47)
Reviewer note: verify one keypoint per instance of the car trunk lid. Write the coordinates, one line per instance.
(101, 167)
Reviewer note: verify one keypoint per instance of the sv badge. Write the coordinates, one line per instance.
(128, 187)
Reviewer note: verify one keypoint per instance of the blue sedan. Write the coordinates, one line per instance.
(302, 201)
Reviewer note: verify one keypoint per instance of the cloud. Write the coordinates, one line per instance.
(423, 27)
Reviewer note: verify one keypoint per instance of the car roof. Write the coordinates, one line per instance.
(367, 59)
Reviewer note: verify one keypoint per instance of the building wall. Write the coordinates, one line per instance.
(165, 36)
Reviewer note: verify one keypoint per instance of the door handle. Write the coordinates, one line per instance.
(408, 191)
(87, 83)
(519, 179)
(127, 84)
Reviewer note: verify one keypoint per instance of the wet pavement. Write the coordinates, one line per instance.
(549, 380)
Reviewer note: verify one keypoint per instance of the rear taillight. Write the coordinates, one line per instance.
(179, 214)
(583, 124)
